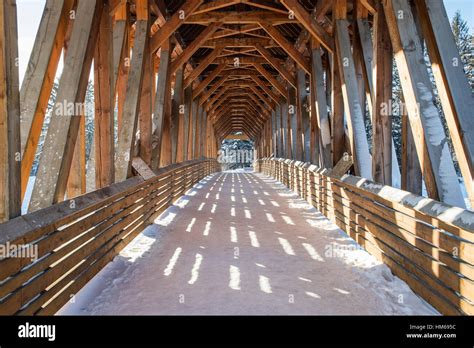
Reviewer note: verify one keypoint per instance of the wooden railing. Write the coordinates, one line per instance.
(75, 239)
(428, 244)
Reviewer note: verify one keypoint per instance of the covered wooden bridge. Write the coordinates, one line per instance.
(304, 80)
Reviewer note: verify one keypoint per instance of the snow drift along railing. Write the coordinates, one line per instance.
(428, 244)
(75, 239)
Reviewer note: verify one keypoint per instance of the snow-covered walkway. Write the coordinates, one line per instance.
(241, 243)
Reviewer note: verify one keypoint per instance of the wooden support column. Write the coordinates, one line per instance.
(121, 52)
(382, 115)
(126, 138)
(76, 184)
(284, 129)
(294, 131)
(145, 112)
(197, 139)
(10, 144)
(185, 118)
(193, 129)
(337, 117)
(319, 112)
(431, 143)
(204, 133)
(163, 94)
(55, 161)
(454, 91)
(411, 178)
(176, 117)
(279, 142)
(355, 117)
(39, 79)
(302, 117)
(104, 93)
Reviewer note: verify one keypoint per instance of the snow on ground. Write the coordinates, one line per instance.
(241, 243)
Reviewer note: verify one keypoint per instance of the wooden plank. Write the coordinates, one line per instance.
(54, 164)
(39, 78)
(452, 85)
(10, 144)
(104, 93)
(142, 168)
(215, 5)
(431, 144)
(381, 115)
(172, 24)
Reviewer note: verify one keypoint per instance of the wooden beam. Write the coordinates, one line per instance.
(238, 17)
(310, 24)
(208, 93)
(382, 117)
(126, 138)
(215, 5)
(276, 64)
(211, 57)
(146, 106)
(58, 148)
(275, 83)
(194, 46)
(452, 84)
(104, 93)
(302, 117)
(163, 93)
(286, 46)
(39, 79)
(431, 143)
(319, 111)
(176, 116)
(204, 83)
(10, 144)
(356, 125)
(176, 20)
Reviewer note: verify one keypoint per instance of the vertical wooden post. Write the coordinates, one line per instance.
(319, 112)
(337, 118)
(303, 116)
(176, 116)
(355, 120)
(185, 120)
(126, 139)
(145, 113)
(162, 96)
(10, 144)
(411, 179)
(293, 124)
(381, 114)
(104, 92)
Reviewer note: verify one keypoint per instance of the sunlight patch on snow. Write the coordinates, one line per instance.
(172, 262)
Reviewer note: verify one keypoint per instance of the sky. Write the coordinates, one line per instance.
(29, 16)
